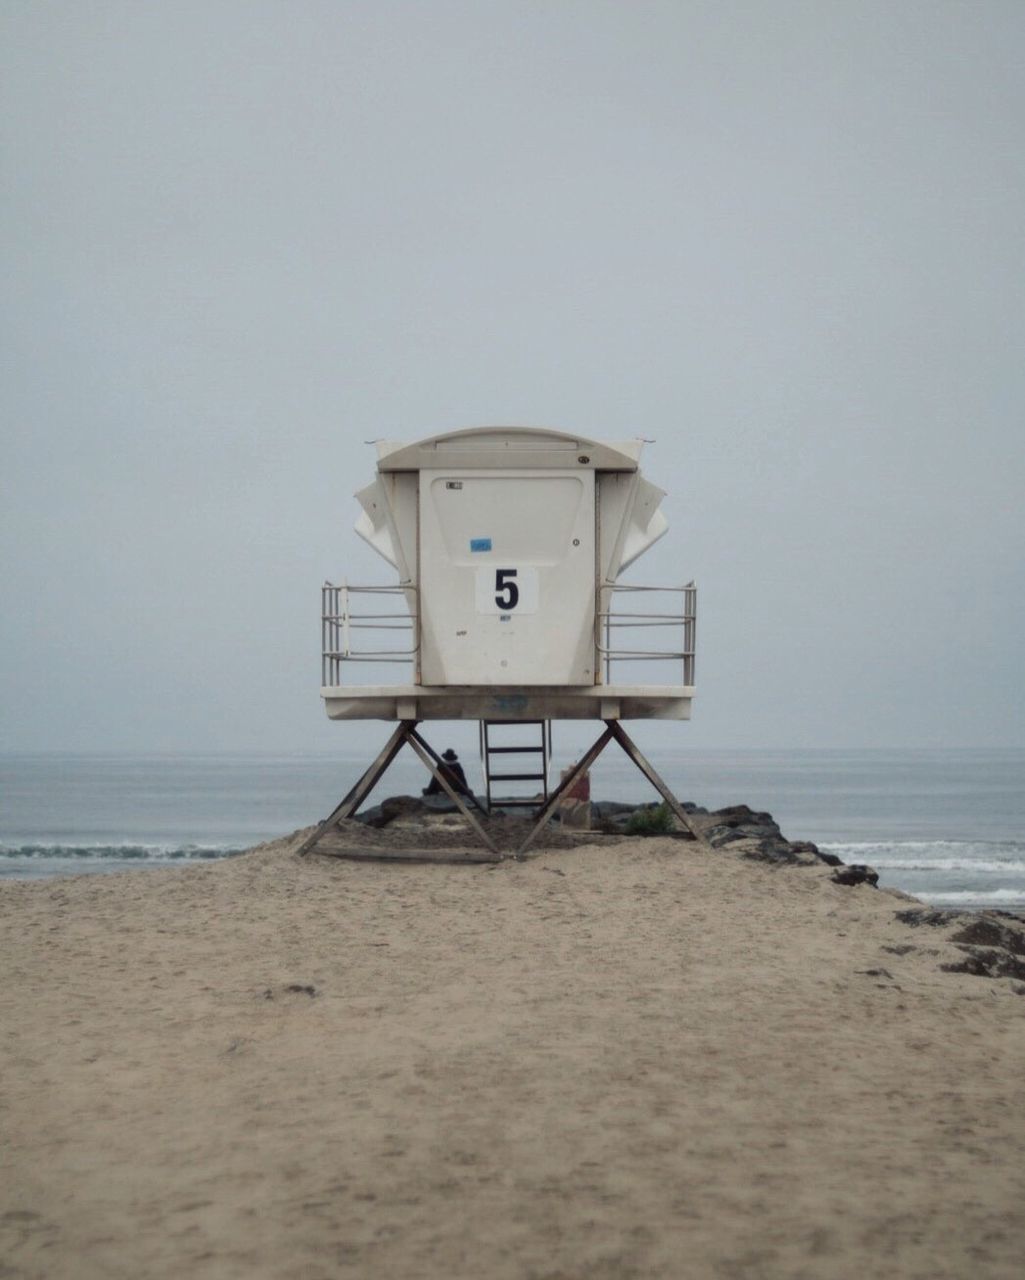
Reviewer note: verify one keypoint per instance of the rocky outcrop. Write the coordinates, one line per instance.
(750, 833)
(988, 962)
(991, 943)
(857, 873)
(993, 947)
(756, 835)
(806, 846)
(917, 917)
(406, 809)
(993, 930)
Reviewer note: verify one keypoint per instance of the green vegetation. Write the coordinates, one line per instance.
(655, 820)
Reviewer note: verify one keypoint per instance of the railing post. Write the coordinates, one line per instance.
(343, 598)
(336, 641)
(608, 636)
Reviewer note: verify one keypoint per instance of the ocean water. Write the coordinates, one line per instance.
(945, 825)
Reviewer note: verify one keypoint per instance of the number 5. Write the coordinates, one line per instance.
(507, 593)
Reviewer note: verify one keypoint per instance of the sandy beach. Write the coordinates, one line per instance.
(642, 1058)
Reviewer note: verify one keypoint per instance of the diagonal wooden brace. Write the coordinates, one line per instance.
(424, 752)
(613, 729)
(440, 764)
(365, 785)
(579, 769)
(404, 732)
(633, 751)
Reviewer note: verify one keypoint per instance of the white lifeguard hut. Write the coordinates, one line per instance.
(508, 543)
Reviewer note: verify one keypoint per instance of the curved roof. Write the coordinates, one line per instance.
(513, 447)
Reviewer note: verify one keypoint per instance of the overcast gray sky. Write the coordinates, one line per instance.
(784, 240)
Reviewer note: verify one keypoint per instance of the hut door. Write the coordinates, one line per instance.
(506, 575)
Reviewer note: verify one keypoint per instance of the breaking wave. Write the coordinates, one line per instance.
(119, 852)
(994, 897)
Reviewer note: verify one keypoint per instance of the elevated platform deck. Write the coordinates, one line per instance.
(495, 702)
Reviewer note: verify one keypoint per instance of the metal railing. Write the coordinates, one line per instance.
(341, 618)
(667, 636)
(672, 633)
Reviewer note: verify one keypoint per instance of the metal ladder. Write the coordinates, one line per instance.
(540, 753)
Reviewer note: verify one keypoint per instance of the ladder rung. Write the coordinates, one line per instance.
(494, 751)
(517, 777)
(515, 804)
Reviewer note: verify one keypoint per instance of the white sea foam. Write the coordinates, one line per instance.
(995, 866)
(994, 856)
(955, 873)
(1011, 847)
(972, 897)
(123, 851)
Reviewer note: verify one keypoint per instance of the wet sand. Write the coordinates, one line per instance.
(630, 1059)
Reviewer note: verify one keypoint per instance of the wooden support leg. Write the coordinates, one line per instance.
(632, 750)
(365, 785)
(569, 781)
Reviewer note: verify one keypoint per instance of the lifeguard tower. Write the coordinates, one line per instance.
(508, 543)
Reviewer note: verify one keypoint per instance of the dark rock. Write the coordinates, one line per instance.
(401, 807)
(778, 851)
(379, 815)
(856, 874)
(918, 916)
(293, 988)
(736, 814)
(611, 808)
(740, 816)
(738, 822)
(987, 962)
(760, 831)
(419, 807)
(718, 836)
(993, 946)
(757, 831)
(993, 943)
(984, 931)
(612, 816)
(806, 846)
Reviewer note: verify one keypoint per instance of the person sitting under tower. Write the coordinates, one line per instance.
(454, 776)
